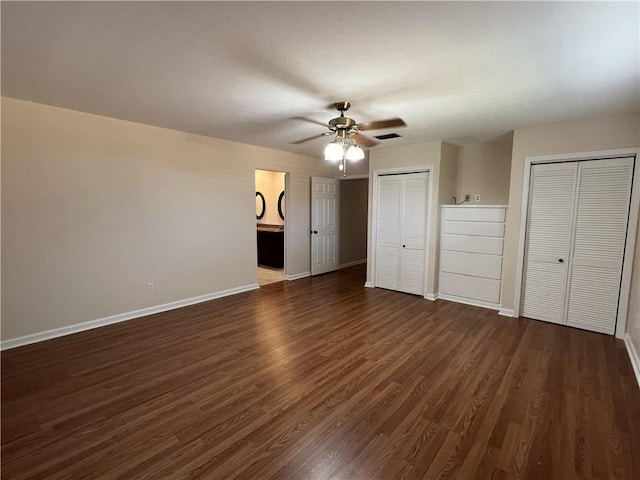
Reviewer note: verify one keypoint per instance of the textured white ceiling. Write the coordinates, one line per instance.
(242, 70)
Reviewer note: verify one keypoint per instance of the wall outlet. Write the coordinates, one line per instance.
(467, 197)
(150, 287)
(477, 197)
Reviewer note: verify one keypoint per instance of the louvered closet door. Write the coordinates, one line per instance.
(550, 219)
(414, 222)
(602, 212)
(388, 232)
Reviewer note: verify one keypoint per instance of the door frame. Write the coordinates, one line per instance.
(371, 257)
(634, 208)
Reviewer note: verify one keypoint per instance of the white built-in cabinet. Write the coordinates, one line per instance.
(575, 242)
(471, 247)
(401, 229)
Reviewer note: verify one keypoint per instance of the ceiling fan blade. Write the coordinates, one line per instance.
(365, 141)
(310, 120)
(390, 123)
(310, 138)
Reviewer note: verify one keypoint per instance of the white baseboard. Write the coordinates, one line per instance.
(633, 356)
(468, 301)
(351, 264)
(431, 296)
(368, 284)
(297, 276)
(505, 312)
(121, 317)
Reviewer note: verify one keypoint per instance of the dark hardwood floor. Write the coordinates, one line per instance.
(322, 379)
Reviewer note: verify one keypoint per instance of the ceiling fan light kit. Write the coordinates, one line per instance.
(344, 147)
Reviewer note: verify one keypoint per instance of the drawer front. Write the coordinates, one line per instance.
(475, 214)
(483, 289)
(484, 229)
(471, 244)
(478, 265)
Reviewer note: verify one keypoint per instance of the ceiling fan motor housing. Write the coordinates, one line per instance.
(342, 123)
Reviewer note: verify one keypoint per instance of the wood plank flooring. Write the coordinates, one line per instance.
(322, 379)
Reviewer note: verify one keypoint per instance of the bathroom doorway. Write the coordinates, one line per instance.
(270, 226)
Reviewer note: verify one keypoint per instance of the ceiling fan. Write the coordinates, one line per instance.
(345, 127)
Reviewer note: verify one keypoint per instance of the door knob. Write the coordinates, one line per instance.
(404, 246)
(314, 232)
(561, 260)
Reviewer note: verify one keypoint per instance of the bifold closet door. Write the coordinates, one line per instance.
(414, 232)
(550, 219)
(601, 216)
(576, 234)
(401, 232)
(388, 232)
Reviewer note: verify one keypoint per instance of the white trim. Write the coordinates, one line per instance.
(468, 301)
(431, 296)
(287, 208)
(121, 317)
(351, 264)
(297, 276)
(505, 312)
(368, 284)
(633, 356)
(634, 208)
(374, 214)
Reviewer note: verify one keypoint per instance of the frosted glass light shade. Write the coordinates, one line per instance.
(354, 153)
(333, 152)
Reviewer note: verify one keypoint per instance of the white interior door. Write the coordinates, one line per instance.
(415, 205)
(324, 225)
(549, 230)
(602, 212)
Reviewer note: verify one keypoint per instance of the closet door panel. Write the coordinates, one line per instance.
(412, 269)
(545, 289)
(388, 227)
(388, 233)
(602, 211)
(414, 210)
(387, 267)
(415, 205)
(550, 219)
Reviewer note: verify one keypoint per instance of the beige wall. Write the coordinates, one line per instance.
(619, 131)
(484, 168)
(633, 317)
(353, 220)
(449, 173)
(270, 184)
(93, 208)
(418, 156)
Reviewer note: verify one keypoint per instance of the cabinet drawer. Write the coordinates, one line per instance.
(471, 244)
(476, 264)
(483, 289)
(475, 214)
(484, 229)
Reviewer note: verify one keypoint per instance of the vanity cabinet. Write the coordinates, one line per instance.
(271, 247)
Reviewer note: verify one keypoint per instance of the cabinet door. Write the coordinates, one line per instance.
(388, 232)
(602, 212)
(415, 207)
(550, 220)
